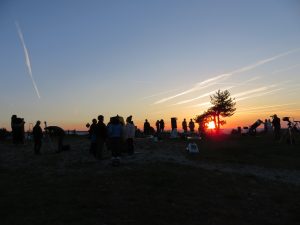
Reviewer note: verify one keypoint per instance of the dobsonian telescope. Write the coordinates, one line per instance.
(252, 128)
(58, 133)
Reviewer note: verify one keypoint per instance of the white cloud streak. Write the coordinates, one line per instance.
(201, 96)
(252, 91)
(161, 93)
(198, 86)
(266, 107)
(259, 94)
(27, 59)
(212, 92)
(208, 82)
(286, 69)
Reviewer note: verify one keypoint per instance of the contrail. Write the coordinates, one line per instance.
(222, 76)
(160, 93)
(201, 96)
(264, 88)
(198, 86)
(27, 59)
(266, 107)
(212, 92)
(259, 94)
(286, 69)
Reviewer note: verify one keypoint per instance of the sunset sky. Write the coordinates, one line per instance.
(66, 62)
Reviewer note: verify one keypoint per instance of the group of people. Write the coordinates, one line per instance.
(112, 135)
(160, 126)
(185, 126)
(273, 125)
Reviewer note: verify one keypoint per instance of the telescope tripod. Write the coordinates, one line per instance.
(289, 136)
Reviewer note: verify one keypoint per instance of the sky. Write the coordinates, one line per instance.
(68, 61)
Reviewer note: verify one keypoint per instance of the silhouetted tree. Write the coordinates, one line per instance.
(223, 106)
(204, 118)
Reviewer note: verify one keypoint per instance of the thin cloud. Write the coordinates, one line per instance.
(260, 94)
(264, 88)
(267, 107)
(202, 104)
(212, 92)
(225, 76)
(160, 93)
(286, 69)
(201, 96)
(27, 59)
(198, 86)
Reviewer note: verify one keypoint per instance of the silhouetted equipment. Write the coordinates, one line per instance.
(192, 148)
(119, 118)
(58, 133)
(252, 128)
(55, 131)
(289, 135)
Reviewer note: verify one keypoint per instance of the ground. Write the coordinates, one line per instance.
(233, 180)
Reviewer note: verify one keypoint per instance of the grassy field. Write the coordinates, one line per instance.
(260, 150)
(49, 189)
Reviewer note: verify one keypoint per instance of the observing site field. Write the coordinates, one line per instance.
(233, 180)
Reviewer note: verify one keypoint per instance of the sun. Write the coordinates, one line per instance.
(211, 125)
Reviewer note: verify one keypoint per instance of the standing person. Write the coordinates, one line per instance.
(115, 135)
(101, 135)
(184, 125)
(129, 135)
(146, 127)
(277, 127)
(37, 137)
(266, 126)
(192, 125)
(162, 125)
(14, 129)
(93, 137)
(157, 126)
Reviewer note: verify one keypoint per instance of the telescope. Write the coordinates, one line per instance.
(287, 119)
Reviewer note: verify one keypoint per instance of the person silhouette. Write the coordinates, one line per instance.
(277, 127)
(115, 132)
(129, 135)
(192, 125)
(37, 134)
(93, 137)
(101, 135)
(162, 125)
(184, 125)
(146, 127)
(157, 126)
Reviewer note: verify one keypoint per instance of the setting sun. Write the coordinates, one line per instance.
(211, 125)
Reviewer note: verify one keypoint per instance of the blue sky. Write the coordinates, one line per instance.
(108, 57)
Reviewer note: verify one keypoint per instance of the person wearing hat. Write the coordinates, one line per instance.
(276, 126)
(37, 137)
